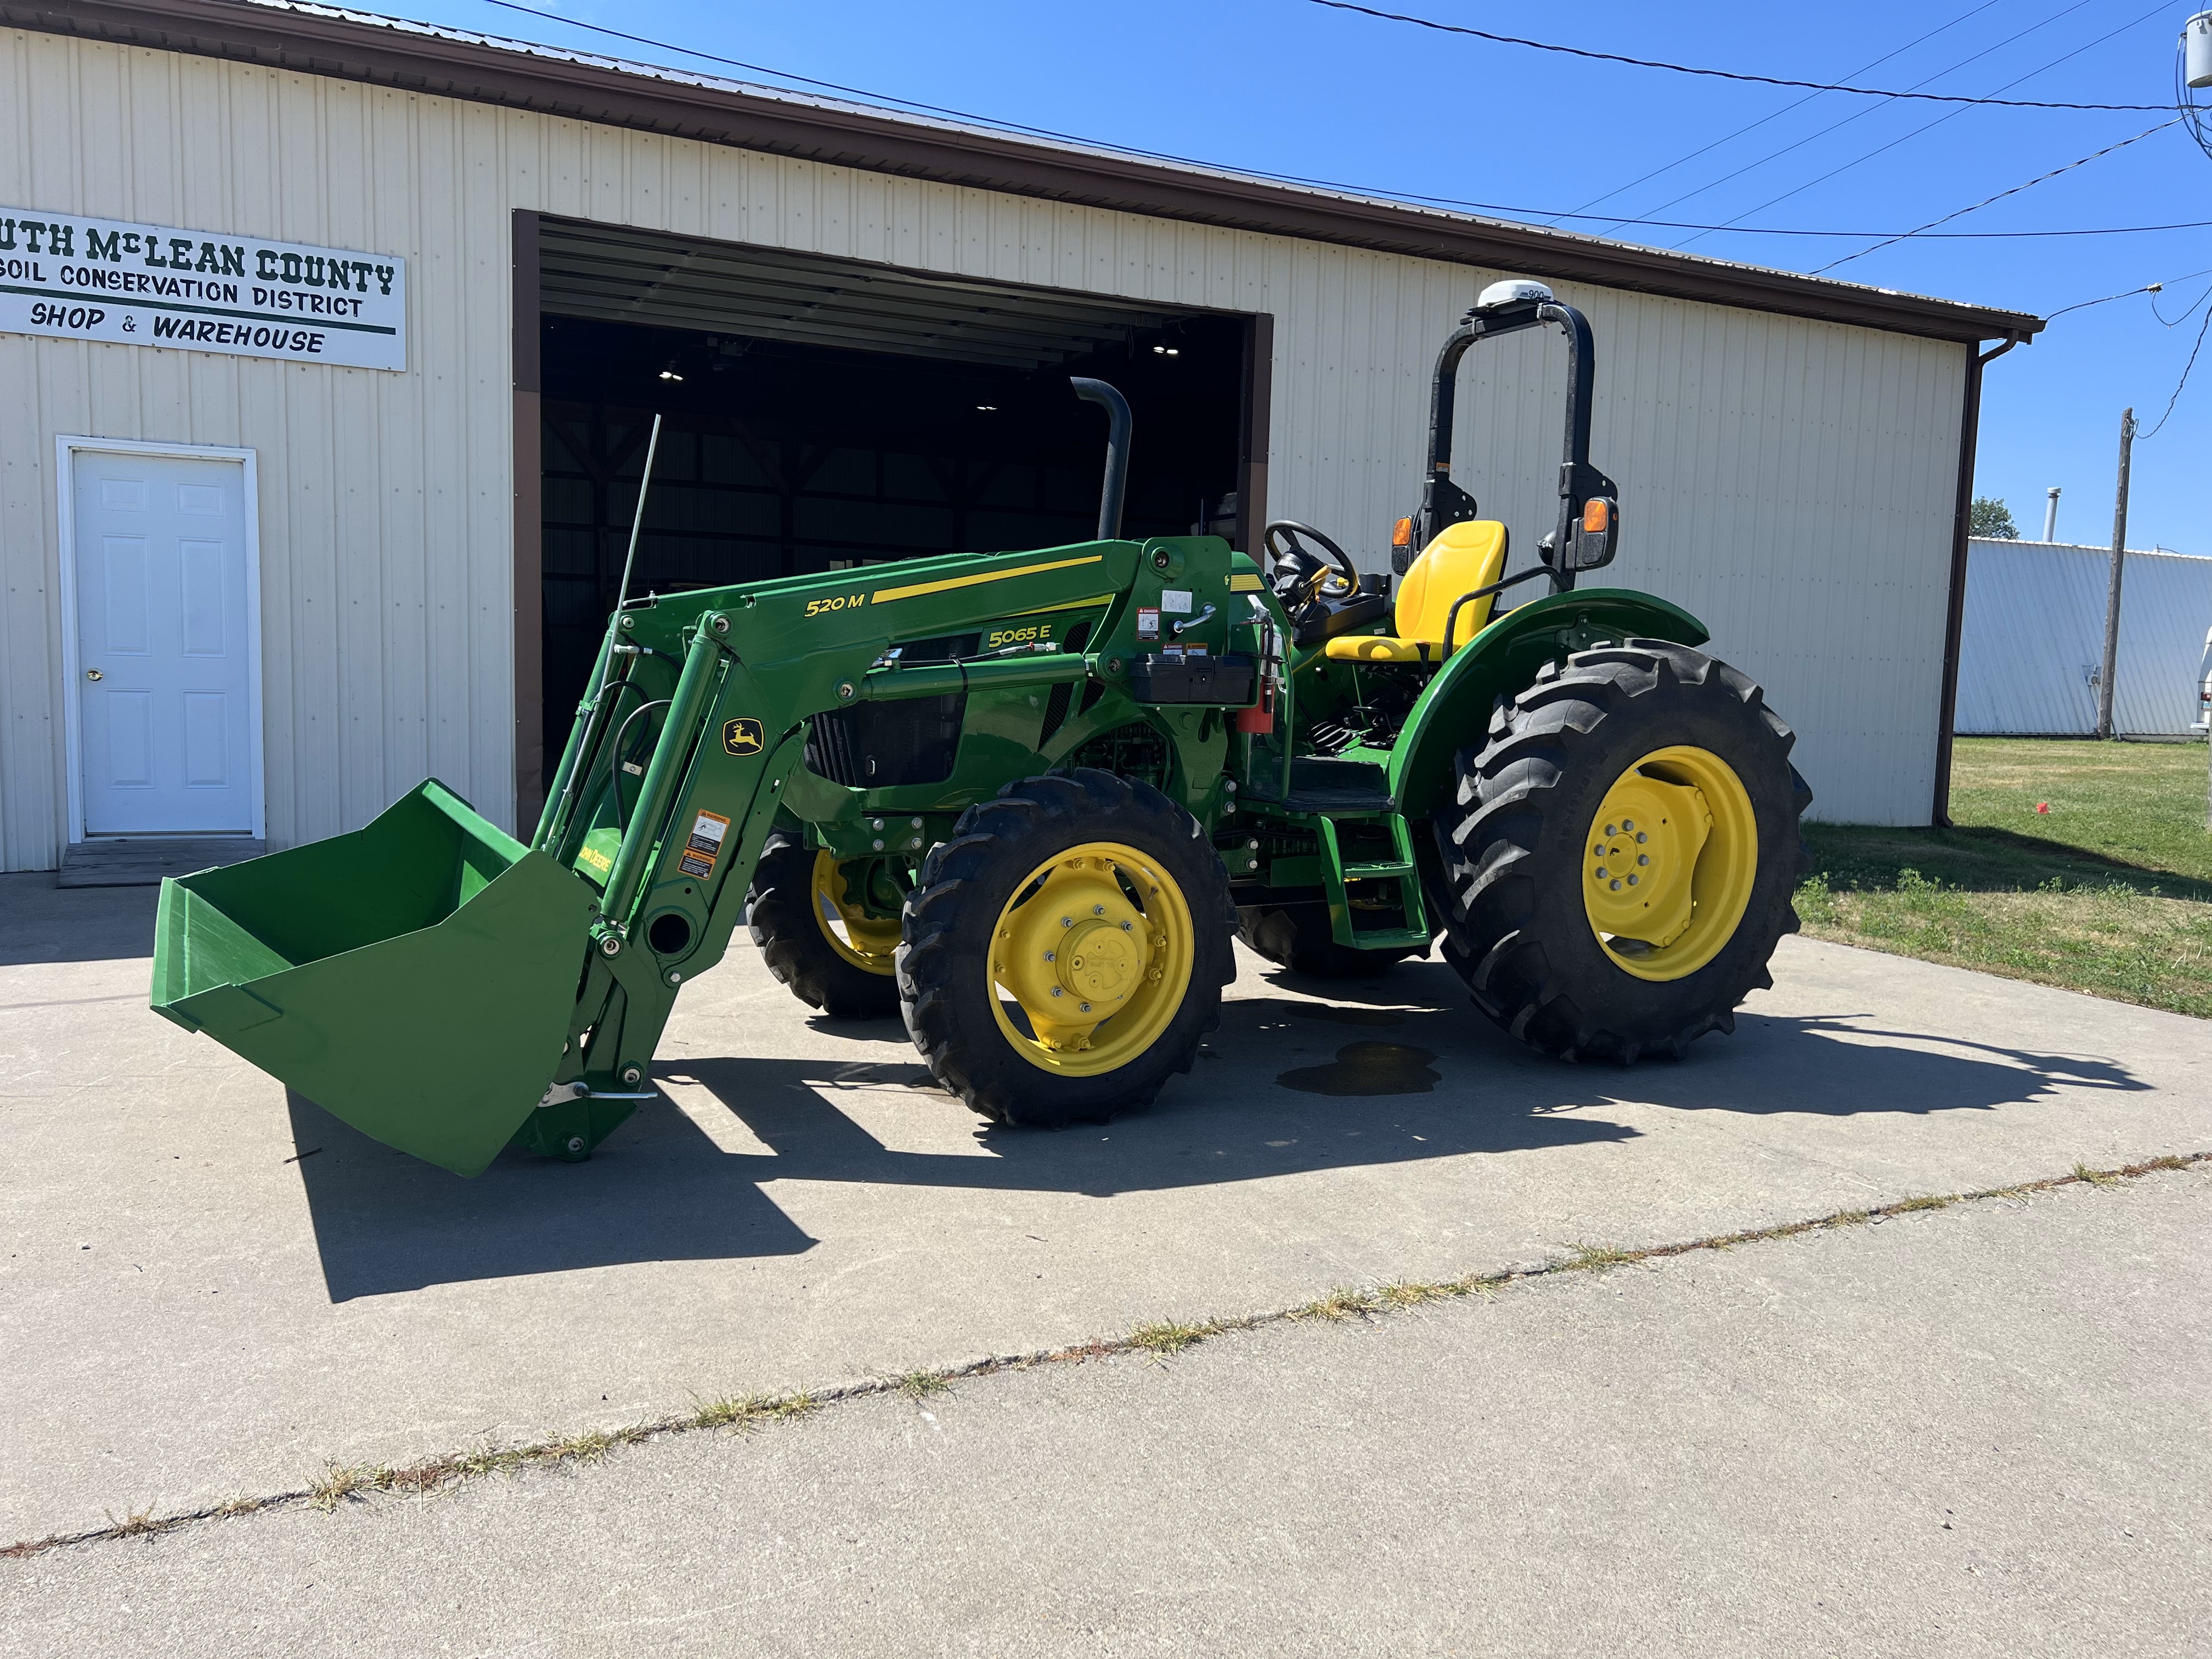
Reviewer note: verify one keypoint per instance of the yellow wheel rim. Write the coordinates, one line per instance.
(1669, 862)
(1093, 954)
(867, 942)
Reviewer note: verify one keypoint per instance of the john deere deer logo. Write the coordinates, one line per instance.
(743, 737)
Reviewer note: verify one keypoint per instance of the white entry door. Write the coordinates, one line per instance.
(164, 670)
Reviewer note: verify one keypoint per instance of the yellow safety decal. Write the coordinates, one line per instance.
(884, 595)
(703, 845)
(743, 736)
(1065, 604)
(1243, 581)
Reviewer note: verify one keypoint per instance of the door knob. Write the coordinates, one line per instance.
(91, 673)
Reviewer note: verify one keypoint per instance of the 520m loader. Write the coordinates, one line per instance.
(1027, 800)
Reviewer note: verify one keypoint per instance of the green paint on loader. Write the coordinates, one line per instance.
(1023, 800)
(415, 978)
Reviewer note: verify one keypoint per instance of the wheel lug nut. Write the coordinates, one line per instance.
(1641, 838)
(1127, 926)
(1616, 888)
(1631, 881)
(1083, 1008)
(1097, 909)
(1068, 921)
(1057, 991)
(1050, 956)
(1643, 858)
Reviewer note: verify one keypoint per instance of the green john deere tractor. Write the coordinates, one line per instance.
(1028, 801)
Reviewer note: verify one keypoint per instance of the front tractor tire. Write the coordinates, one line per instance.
(1064, 952)
(815, 935)
(1621, 853)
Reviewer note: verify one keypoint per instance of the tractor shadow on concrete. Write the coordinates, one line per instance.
(41, 923)
(1397, 1071)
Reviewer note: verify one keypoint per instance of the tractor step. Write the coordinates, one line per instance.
(1336, 874)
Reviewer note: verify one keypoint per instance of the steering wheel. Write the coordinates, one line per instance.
(1287, 537)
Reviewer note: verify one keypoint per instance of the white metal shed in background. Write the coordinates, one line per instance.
(506, 256)
(2033, 645)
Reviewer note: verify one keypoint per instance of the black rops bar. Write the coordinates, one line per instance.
(1569, 547)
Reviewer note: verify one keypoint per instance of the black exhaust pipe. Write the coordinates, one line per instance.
(1117, 451)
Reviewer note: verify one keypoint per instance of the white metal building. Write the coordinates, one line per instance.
(2032, 649)
(326, 344)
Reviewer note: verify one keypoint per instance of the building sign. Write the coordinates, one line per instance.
(73, 278)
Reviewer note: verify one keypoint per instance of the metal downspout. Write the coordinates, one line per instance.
(1970, 427)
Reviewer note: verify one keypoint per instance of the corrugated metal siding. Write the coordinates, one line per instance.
(2035, 630)
(1789, 481)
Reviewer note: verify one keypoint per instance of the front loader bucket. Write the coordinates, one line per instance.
(416, 977)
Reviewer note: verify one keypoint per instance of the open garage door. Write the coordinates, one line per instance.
(822, 414)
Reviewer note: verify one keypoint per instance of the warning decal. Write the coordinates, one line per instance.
(704, 845)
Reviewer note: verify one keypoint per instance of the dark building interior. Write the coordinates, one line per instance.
(843, 415)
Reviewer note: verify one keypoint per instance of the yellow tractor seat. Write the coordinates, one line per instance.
(1463, 556)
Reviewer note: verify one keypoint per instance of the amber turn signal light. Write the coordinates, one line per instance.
(1597, 515)
(1401, 534)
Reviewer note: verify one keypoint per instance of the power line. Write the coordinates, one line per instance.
(1778, 114)
(1930, 126)
(1722, 75)
(1524, 213)
(1865, 109)
(1962, 212)
(2184, 381)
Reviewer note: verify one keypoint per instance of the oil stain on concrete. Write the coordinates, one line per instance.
(1368, 1068)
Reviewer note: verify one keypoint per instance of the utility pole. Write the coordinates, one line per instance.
(2051, 514)
(2119, 568)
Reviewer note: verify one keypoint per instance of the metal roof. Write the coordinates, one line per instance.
(348, 45)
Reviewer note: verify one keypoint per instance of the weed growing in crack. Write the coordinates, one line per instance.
(1341, 1303)
(1595, 1258)
(1166, 1336)
(1409, 1294)
(341, 1482)
(920, 1385)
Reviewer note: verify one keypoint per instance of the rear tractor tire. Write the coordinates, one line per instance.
(1621, 854)
(815, 935)
(1298, 937)
(1064, 952)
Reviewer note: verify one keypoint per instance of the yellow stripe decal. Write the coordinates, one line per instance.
(1066, 604)
(1243, 583)
(883, 595)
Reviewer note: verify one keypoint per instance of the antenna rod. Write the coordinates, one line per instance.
(636, 523)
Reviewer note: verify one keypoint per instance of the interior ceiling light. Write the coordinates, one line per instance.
(669, 373)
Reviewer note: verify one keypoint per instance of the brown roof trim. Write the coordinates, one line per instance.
(416, 57)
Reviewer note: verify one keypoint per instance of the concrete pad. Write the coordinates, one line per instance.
(1975, 1433)
(212, 1290)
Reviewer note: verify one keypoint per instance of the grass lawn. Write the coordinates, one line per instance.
(2109, 892)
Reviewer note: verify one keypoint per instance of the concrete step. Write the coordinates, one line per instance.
(142, 861)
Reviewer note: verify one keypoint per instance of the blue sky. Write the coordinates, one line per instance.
(1289, 87)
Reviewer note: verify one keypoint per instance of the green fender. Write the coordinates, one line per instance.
(1455, 710)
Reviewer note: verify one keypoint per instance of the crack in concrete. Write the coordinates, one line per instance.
(340, 1483)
